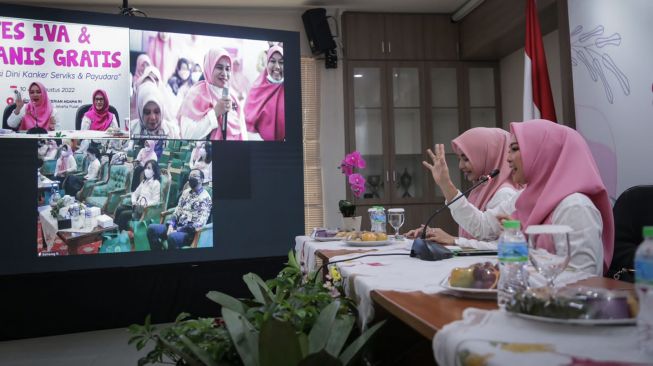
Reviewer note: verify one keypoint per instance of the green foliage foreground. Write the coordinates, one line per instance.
(293, 319)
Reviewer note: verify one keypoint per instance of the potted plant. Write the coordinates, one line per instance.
(293, 319)
(356, 181)
(350, 222)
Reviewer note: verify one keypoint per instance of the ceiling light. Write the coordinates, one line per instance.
(358, 75)
(465, 9)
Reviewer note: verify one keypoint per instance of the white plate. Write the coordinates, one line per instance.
(375, 243)
(468, 292)
(331, 238)
(627, 321)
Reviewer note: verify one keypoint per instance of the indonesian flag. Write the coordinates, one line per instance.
(538, 100)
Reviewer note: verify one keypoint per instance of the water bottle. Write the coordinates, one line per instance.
(513, 257)
(644, 287)
(88, 219)
(377, 219)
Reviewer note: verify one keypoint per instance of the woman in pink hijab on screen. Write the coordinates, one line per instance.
(39, 111)
(98, 117)
(202, 112)
(265, 109)
(480, 150)
(563, 187)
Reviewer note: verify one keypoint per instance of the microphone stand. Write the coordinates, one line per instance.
(430, 251)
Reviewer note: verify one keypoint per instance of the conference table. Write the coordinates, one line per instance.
(425, 312)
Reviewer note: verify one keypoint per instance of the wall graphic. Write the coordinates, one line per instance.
(611, 56)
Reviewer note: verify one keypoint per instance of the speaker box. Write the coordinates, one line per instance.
(318, 31)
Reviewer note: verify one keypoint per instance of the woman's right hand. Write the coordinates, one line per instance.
(222, 106)
(440, 171)
(19, 104)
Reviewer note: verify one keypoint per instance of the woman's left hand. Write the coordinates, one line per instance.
(440, 236)
(52, 123)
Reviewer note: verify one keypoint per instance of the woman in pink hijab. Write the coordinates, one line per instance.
(480, 150)
(202, 112)
(142, 62)
(39, 112)
(98, 117)
(66, 163)
(563, 187)
(264, 109)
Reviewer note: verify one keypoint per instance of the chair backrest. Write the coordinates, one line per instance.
(119, 177)
(165, 189)
(103, 174)
(84, 108)
(5, 116)
(632, 211)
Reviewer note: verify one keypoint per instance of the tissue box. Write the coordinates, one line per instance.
(95, 211)
(104, 221)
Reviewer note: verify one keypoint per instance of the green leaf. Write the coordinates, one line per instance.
(279, 344)
(258, 288)
(352, 350)
(188, 358)
(292, 261)
(198, 352)
(244, 336)
(227, 301)
(321, 358)
(181, 317)
(339, 334)
(319, 335)
(303, 343)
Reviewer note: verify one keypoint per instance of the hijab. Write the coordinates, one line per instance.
(557, 163)
(100, 120)
(149, 92)
(203, 96)
(265, 108)
(486, 149)
(37, 114)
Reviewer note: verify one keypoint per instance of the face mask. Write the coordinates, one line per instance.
(148, 173)
(184, 74)
(202, 153)
(147, 149)
(193, 182)
(65, 153)
(91, 157)
(273, 81)
(195, 76)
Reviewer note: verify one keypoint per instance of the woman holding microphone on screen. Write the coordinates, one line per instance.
(207, 103)
(38, 113)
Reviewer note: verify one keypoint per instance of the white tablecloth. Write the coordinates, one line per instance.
(44, 182)
(407, 274)
(499, 338)
(50, 227)
(305, 248)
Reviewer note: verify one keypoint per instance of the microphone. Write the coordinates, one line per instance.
(429, 251)
(225, 95)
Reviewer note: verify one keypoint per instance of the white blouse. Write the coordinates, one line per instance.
(199, 130)
(575, 210)
(86, 123)
(150, 189)
(93, 169)
(501, 195)
(15, 119)
(71, 165)
(170, 129)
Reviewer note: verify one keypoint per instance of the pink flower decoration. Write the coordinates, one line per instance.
(356, 180)
(347, 166)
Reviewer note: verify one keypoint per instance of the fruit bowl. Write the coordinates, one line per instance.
(477, 280)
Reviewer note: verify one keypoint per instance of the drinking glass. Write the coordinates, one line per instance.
(548, 250)
(396, 218)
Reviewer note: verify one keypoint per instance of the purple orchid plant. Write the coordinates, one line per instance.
(356, 181)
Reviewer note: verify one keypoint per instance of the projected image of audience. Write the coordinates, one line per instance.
(122, 196)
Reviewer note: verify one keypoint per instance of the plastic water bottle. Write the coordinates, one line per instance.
(88, 219)
(644, 287)
(377, 219)
(513, 257)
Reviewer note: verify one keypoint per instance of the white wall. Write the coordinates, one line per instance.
(512, 80)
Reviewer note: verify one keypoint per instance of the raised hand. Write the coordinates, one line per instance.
(440, 171)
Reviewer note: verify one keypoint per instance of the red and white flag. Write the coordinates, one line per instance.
(538, 100)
